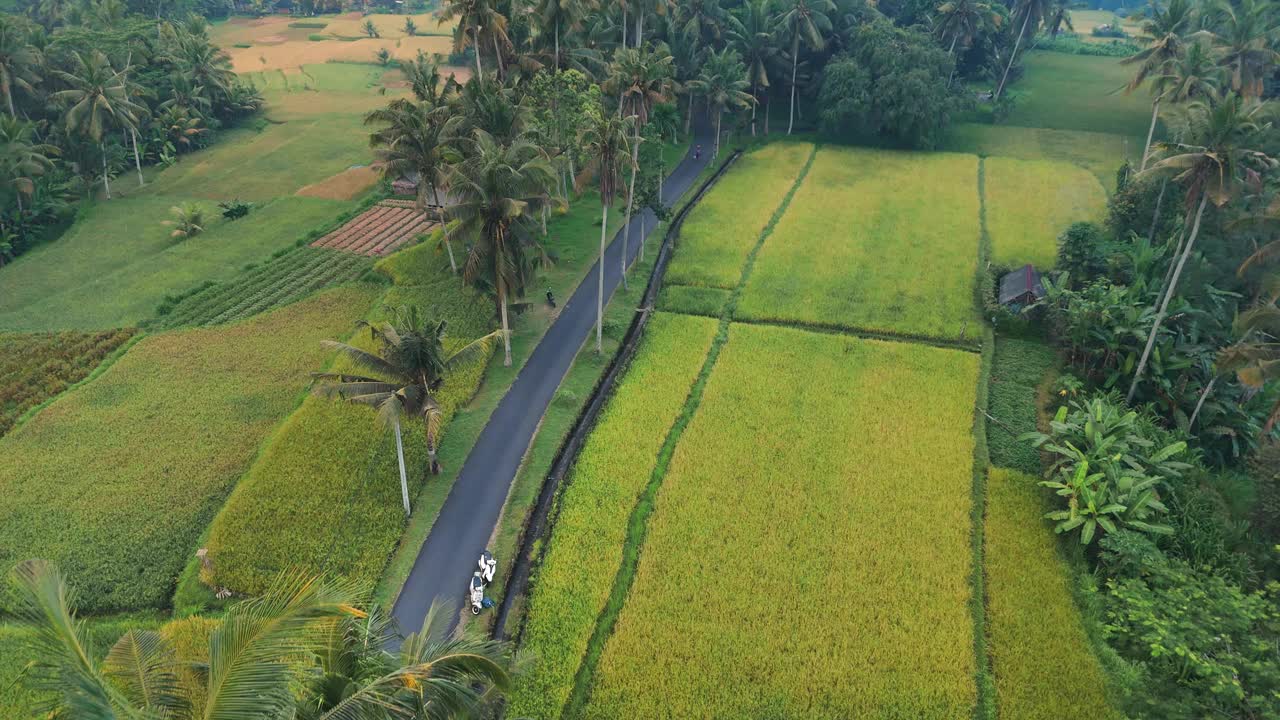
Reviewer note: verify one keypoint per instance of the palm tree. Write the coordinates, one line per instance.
(959, 22)
(723, 82)
(559, 16)
(18, 59)
(476, 17)
(22, 159)
(605, 141)
(1030, 12)
(1245, 41)
(751, 33)
(803, 21)
(499, 188)
(410, 142)
(1165, 28)
(97, 99)
(207, 65)
(1210, 167)
(641, 78)
(1254, 357)
(1058, 17)
(408, 368)
(187, 222)
(280, 655)
(699, 21)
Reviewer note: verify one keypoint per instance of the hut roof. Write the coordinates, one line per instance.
(1021, 285)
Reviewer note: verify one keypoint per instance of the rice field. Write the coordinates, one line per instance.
(1099, 153)
(1044, 667)
(379, 230)
(293, 53)
(1029, 203)
(35, 367)
(197, 404)
(721, 230)
(1079, 92)
(874, 240)
(576, 575)
(808, 557)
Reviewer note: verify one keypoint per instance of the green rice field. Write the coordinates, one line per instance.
(1029, 203)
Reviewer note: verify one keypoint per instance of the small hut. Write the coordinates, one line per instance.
(1020, 288)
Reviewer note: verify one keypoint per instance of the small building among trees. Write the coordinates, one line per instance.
(1020, 288)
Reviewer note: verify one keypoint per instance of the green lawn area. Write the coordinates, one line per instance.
(196, 405)
(1099, 153)
(1029, 203)
(773, 580)
(116, 264)
(1079, 92)
(875, 240)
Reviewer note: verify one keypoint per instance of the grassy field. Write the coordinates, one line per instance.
(1030, 202)
(198, 404)
(1079, 92)
(1099, 153)
(725, 225)
(1043, 665)
(866, 244)
(37, 366)
(117, 263)
(1085, 21)
(773, 582)
(1019, 369)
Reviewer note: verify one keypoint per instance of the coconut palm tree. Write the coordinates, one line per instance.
(605, 140)
(207, 65)
(307, 648)
(19, 60)
(1027, 14)
(1254, 357)
(723, 82)
(476, 18)
(412, 141)
(803, 21)
(1210, 166)
(751, 33)
(557, 17)
(408, 367)
(643, 8)
(641, 78)
(97, 99)
(1245, 43)
(499, 188)
(959, 21)
(22, 159)
(187, 222)
(699, 21)
(1165, 28)
(1058, 16)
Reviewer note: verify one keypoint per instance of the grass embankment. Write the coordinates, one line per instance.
(786, 501)
(576, 575)
(863, 247)
(196, 405)
(36, 367)
(1043, 664)
(1030, 203)
(116, 264)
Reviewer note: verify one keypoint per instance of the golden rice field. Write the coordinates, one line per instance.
(809, 555)
(721, 230)
(577, 573)
(875, 240)
(1040, 655)
(1030, 202)
(295, 53)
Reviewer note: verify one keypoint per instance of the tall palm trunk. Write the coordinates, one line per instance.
(795, 61)
(105, 183)
(8, 97)
(604, 228)
(1204, 395)
(1168, 295)
(952, 52)
(137, 159)
(767, 105)
(639, 27)
(631, 196)
(475, 35)
(557, 45)
(435, 197)
(1012, 56)
(1146, 151)
(404, 481)
(1155, 216)
(753, 109)
(497, 56)
(506, 328)
(715, 152)
(624, 24)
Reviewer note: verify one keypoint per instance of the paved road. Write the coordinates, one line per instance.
(471, 511)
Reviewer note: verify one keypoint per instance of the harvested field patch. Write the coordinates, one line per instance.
(379, 230)
(1031, 202)
(196, 405)
(346, 185)
(294, 53)
(862, 245)
(1044, 667)
(576, 574)
(390, 25)
(37, 366)
(771, 509)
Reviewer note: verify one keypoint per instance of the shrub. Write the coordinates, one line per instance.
(1072, 45)
(315, 38)
(383, 56)
(1082, 252)
(309, 24)
(234, 209)
(243, 45)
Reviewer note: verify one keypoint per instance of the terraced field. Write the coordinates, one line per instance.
(379, 230)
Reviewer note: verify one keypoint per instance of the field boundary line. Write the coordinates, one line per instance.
(984, 681)
(638, 523)
(852, 332)
(101, 368)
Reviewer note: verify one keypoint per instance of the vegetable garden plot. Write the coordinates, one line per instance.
(875, 240)
(809, 555)
(378, 230)
(1030, 202)
(116, 481)
(1040, 654)
(723, 227)
(577, 573)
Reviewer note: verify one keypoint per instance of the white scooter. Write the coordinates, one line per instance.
(480, 580)
(477, 593)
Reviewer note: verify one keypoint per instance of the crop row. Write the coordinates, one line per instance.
(724, 226)
(577, 572)
(875, 240)
(376, 231)
(809, 554)
(280, 281)
(1029, 204)
(325, 493)
(116, 481)
(1043, 664)
(36, 366)
(1019, 368)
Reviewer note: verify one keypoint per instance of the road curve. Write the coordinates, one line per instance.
(470, 513)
